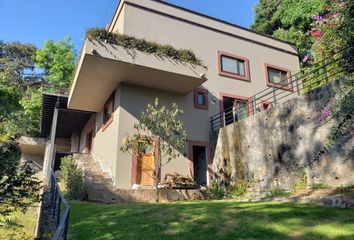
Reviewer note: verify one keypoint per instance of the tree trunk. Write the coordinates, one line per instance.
(157, 172)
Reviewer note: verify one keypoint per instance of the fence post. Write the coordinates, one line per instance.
(274, 96)
(211, 124)
(58, 211)
(297, 84)
(233, 114)
(254, 104)
(324, 67)
(66, 226)
(224, 118)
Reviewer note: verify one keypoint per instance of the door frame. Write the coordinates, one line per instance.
(87, 150)
(237, 97)
(134, 167)
(209, 161)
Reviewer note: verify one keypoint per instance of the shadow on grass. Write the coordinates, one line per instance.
(210, 220)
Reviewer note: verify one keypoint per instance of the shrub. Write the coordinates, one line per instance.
(238, 189)
(302, 181)
(214, 191)
(73, 178)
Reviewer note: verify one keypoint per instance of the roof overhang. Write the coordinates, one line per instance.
(69, 120)
(102, 67)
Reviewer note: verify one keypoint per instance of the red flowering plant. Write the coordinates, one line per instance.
(333, 48)
(332, 32)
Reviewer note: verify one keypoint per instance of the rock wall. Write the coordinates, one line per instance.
(289, 145)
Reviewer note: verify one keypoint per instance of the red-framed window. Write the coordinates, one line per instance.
(108, 112)
(201, 98)
(233, 66)
(278, 77)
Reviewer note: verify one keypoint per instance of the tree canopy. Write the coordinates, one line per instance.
(313, 26)
(25, 72)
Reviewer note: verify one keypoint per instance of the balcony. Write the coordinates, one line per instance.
(102, 67)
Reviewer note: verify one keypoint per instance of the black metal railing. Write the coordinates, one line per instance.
(309, 78)
(60, 209)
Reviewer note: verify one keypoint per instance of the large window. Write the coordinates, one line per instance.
(233, 66)
(278, 77)
(201, 98)
(108, 110)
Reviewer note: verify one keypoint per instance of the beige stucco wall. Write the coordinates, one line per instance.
(105, 142)
(205, 43)
(134, 100)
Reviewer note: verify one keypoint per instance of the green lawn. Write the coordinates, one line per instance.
(19, 226)
(209, 220)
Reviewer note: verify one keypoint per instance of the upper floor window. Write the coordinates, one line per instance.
(201, 98)
(233, 66)
(278, 77)
(108, 110)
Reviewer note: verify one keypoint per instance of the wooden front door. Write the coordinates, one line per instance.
(146, 167)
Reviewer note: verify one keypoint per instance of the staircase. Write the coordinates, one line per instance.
(100, 188)
(99, 184)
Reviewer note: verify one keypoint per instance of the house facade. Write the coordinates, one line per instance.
(117, 84)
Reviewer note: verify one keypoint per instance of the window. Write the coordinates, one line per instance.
(278, 77)
(233, 66)
(201, 98)
(108, 112)
(265, 105)
(235, 108)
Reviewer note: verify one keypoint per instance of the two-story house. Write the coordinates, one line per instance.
(117, 84)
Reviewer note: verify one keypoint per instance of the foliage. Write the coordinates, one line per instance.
(199, 220)
(306, 23)
(238, 189)
(333, 29)
(19, 189)
(18, 225)
(130, 42)
(319, 186)
(264, 21)
(346, 188)
(17, 65)
(9, 101)
(302, 181)
(58, 61)
(32, 103)
(214, 191)
(73, 178)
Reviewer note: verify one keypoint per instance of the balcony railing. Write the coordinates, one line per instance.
(307, 79)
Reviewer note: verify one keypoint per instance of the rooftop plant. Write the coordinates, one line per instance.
(130, 42)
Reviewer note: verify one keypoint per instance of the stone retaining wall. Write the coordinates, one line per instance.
(288, 145)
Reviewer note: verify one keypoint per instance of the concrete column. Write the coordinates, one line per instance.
(49, 155)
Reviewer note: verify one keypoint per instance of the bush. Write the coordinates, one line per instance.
(302, 181)
(214, 191)
(238, 189)
(73, 178)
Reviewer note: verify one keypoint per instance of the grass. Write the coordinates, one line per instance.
(209, 220)
(18, 225)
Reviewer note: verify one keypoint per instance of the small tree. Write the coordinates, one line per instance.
(161, 126)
